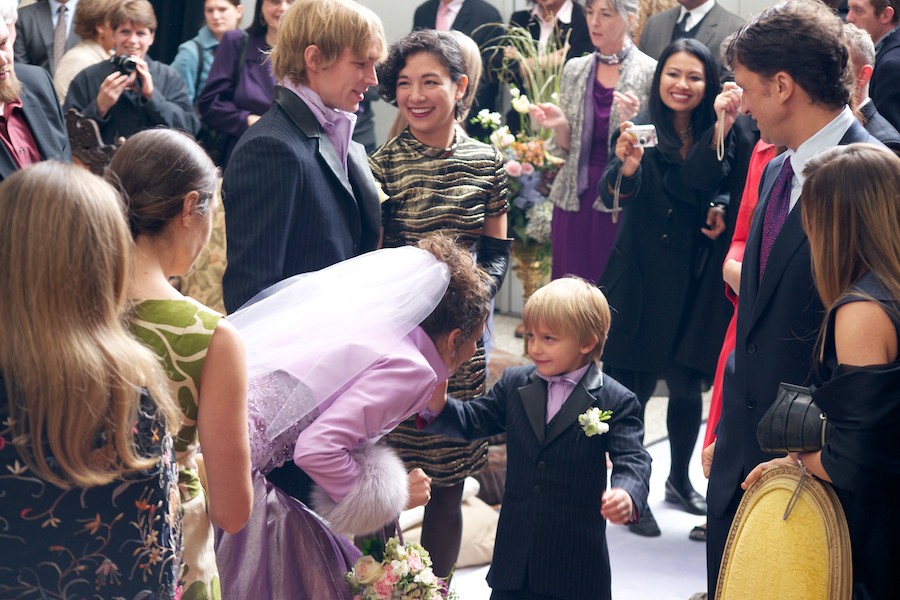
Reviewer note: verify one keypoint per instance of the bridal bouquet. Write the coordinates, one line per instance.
(396, 572)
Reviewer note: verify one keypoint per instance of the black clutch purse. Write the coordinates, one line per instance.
(793, 423)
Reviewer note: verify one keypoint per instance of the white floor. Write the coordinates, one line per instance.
(669, 567)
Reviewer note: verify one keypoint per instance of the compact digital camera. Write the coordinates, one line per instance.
(645, 134)
(124, 64)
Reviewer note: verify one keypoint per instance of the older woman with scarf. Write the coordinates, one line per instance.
(597, 92)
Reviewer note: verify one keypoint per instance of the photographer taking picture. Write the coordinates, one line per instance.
(132, 92)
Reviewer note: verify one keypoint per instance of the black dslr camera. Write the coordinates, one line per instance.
(124, 64)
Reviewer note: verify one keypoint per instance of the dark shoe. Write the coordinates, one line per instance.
(646, 527)
(698, 533)
(693, 503)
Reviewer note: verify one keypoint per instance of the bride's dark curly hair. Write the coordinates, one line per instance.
(467, 301)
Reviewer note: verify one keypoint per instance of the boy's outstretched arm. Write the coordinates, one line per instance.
(473, 419)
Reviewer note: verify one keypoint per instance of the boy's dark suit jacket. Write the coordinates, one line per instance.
(778, 324)
(44, 117)
(551, 534)
(289, 206)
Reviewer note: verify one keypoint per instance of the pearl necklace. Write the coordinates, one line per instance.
(617, 57)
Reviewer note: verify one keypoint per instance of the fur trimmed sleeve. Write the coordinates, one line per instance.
(377, 497)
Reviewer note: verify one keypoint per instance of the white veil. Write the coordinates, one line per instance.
(323, 328)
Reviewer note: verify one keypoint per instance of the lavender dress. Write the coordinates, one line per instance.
(582, 241)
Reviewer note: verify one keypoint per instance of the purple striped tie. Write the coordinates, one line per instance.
(776, 212)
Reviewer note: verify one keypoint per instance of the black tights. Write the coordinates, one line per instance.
(442, 527)
(682, 417)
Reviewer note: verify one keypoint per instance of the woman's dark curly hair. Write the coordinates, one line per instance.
(439, 44)
(703, 116)
(467, 301)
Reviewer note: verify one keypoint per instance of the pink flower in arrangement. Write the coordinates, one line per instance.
(513, 168)
(527, 168)
(415, 563)
(384, 589)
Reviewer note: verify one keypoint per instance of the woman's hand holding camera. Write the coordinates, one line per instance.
(628, 151)
(115, 84)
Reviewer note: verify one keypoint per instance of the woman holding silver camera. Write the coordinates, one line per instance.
(663, 187)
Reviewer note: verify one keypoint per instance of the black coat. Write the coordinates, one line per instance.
(551, 533)
(879, 127)
(44, 117)
(884, 88)
(711, 306)
(660, 255)
(169, 105)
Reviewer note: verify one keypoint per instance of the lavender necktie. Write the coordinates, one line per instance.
(777, 211)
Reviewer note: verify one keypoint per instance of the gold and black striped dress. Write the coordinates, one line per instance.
(450, 190)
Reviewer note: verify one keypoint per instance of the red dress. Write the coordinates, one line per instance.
(763, 152)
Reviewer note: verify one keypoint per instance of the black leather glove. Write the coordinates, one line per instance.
(493, 257)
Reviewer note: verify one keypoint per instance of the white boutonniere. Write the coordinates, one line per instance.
(593, 421)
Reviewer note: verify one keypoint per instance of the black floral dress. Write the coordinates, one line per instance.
(121, 540)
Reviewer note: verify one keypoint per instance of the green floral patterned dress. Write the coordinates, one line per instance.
(180, 331)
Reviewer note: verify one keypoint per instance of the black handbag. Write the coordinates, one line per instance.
(794, 423)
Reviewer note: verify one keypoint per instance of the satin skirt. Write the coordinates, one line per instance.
(284, 551)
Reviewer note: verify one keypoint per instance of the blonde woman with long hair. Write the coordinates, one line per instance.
(850, 213)
(89, 482)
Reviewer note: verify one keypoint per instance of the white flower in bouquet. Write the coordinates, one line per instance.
(592, 421)
(488, 118)
(539, 218)
(521, 104)
(502, 138)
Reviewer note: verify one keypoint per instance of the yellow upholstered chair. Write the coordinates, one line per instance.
(806, 556)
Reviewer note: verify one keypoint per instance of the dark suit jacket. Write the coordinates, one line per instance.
(289, 207)
(711, 32)
(579, 39)
(169, 105)
(884, 88)
(550, 530)
(879, 127)
(472, 15)
(44, 117)
(777, 327)
(34, 36)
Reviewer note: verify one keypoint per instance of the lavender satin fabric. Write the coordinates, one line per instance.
(285, 551)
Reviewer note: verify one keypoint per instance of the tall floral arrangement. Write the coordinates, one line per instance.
(532, 76)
